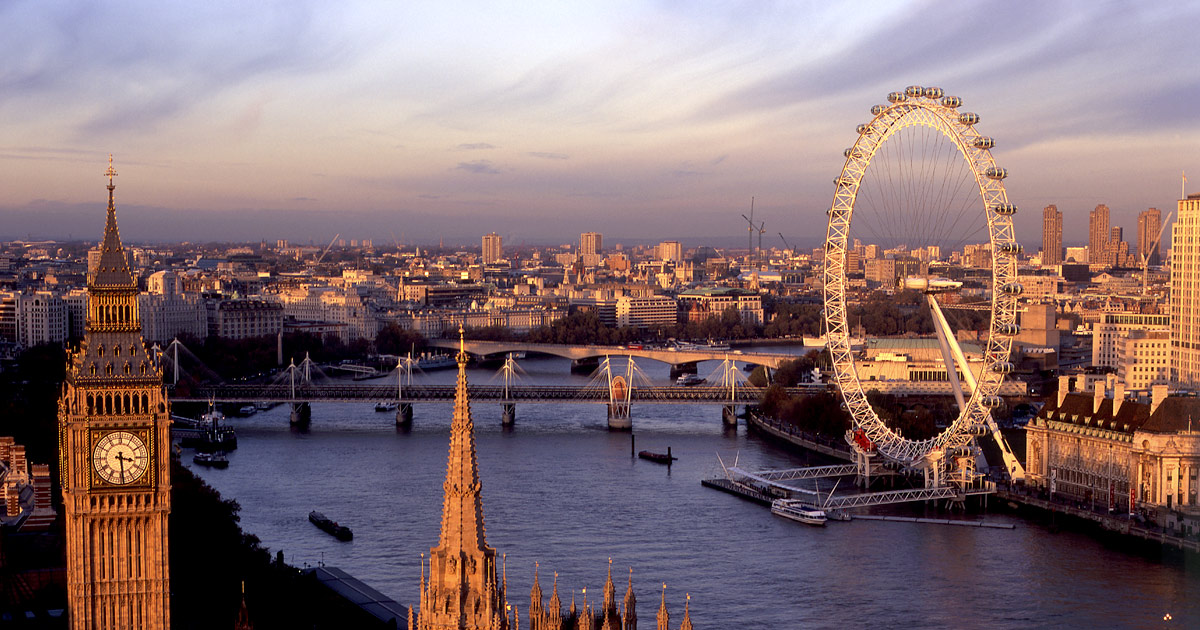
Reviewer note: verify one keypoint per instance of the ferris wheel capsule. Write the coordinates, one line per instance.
(995, 172)
(1003, 367)
(852, 153)
(968, 118)
(991, 402)
(951, 102)
(914, 91)
(863, 129)
(933, 93)
(984, 142)
(1012, 288)
(1010, 248)
(1005, 209)
(1008, 330)
(896, 97)
(878, 109)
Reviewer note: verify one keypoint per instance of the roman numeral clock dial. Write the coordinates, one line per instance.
(120, 458)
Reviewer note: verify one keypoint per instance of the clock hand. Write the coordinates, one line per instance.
(121, 458)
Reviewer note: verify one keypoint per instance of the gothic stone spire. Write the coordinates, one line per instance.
(113, 269)
(462, 589)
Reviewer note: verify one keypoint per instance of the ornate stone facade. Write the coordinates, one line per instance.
(114, 458)
(1104, 450)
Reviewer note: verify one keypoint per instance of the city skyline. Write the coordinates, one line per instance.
(541, 122)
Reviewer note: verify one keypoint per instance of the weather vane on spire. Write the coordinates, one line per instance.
(110, 173)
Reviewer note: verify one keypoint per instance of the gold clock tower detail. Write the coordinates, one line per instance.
(114, 457)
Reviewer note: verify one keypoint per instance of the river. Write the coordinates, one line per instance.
(561, 490)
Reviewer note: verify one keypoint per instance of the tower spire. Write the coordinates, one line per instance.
(463, 589)
(112, 271)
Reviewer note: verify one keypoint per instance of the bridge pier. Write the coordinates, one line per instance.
(404, 415)
(729, 415)
(680, 369)
(508, 415)
(619, 418)
(301, 415)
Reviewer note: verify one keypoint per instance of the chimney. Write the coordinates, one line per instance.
(1064, 388)
(1118, 397)
(1158, 393)
(1101, 392)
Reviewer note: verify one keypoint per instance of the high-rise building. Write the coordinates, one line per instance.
(1185, 296)
(1098, 235)
(493, 248)
(114, 458)
(590, 243)
(1149, 245)
(670, 251)
(1052, 235)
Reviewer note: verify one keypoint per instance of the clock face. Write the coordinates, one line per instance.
(120, 457)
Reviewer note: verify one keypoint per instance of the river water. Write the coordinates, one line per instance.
(563, 491)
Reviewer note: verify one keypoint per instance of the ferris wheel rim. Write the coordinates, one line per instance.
(922, 106)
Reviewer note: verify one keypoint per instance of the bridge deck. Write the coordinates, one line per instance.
(478, 393)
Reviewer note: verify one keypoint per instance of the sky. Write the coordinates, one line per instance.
(410, 122)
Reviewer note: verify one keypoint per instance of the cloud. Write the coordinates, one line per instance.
(475, 146)
(547, 156)
(478, 167)
(303, 199)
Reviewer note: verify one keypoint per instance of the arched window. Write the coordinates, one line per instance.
(90, 404)
(145, 403)
(108, 404)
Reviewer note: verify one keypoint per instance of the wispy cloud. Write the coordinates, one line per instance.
(475, 146)
(547, 156)
(478, 167)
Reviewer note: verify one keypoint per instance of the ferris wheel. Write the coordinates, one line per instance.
(918, 184)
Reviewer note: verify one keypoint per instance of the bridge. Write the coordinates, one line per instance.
(671, 356)
(284, 393)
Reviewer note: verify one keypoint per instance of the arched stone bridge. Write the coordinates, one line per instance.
(577, 353)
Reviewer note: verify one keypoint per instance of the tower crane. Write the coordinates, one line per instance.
(791, 250)
(1153, 248)
(750, 232)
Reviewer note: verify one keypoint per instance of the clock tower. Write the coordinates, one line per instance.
(114, 457)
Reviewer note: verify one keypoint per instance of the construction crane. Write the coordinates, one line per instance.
(791, 250)
(758, 253)
(327, 248)
(1145, 256)
(750, 232)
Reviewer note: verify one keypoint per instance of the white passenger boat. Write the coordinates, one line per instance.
(797, 512)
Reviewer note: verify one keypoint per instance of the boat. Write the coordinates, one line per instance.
(248, 410)
(206, 434)
(211, 460)
(385, 406)
(661, 458)
(798, 512)
(688, 380)
(330, 526)
(436, 362)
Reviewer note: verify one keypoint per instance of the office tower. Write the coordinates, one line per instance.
(1052, 234)
(1185, 299)
(493, 248)
(590, 243)
(1098, 235)
(1149, 246)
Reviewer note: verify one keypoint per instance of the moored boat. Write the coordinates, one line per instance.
(797, 512)
(661, 458)
(436, 362)
(385, 406)
(689, 380)
(211, 460)
(330, 526)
